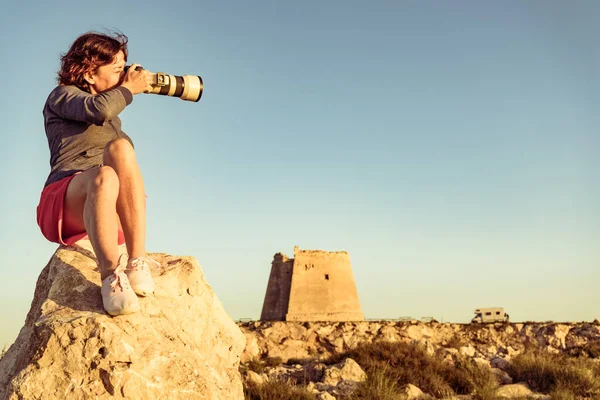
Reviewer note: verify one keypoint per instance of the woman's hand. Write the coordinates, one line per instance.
(138, 81)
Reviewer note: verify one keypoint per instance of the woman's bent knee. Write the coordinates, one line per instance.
(118, 149)
(106, 179)
(87, 183)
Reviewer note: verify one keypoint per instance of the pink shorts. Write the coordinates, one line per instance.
(50, 214)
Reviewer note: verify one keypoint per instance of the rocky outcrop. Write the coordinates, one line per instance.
(182, 345)
(491, 344)
(304, 347)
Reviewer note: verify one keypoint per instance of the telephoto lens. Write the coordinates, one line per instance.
(186, 87)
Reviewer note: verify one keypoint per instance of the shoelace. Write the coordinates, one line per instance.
(120, 279)
(119, 275)
(141, 263)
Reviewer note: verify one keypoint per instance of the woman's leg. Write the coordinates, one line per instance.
(92, 202)
(131, 202)
(90, 206)
(100, 199)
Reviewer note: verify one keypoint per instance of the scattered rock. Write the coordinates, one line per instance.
(323, 387)
(468, 351)
(314, 371)
(310, 340)
(254, 378)
(427, 346)
(500, 363)
(346, 387)
(325, 396)
(502, 376)
(418, 332)
(412, 392)
(252, 350)
(347, 370)
(482, 362)
(311, 387)
(514, 390)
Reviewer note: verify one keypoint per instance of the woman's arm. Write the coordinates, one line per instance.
(70, 102)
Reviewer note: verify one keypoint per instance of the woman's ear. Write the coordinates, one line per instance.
(89, 78)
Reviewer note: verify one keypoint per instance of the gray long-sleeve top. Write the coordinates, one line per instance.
(79, 125)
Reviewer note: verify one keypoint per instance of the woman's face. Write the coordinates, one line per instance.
(107, 76)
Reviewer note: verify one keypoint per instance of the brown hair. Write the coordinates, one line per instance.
(88, 52)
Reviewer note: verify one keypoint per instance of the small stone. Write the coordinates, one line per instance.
(501, 363)
(515, 390)
(254, 378)
(502, 376)
(325, 396)
(412, 392)
(346, 370)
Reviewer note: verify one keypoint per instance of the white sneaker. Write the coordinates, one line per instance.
(118, 297)
(140, 277)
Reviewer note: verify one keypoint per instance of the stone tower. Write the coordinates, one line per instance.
(313, 286)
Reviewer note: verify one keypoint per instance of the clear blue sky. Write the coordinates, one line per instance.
(450, 147)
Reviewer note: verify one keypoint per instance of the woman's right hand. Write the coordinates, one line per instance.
(138, 81)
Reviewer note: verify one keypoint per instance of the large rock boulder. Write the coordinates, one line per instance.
(182, 345)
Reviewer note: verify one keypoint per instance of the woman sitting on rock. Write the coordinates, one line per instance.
(95, 187)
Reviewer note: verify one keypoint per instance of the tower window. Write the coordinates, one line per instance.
(326, 277)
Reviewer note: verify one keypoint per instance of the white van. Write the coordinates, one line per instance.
(490, 314)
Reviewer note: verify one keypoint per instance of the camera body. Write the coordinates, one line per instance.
(186, 87)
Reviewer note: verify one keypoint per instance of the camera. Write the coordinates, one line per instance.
(186, 87)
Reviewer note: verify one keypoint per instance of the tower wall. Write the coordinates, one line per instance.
(322, 288)
(275, 306)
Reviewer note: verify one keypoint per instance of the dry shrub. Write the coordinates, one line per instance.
(260, 366)
(378, 386)
(558, 374)
(562, 394)
(273, 361)
(255, 365)
(591, 350)
(301, 361)
(456, 342)
(409, 363)
(484, 382)
(276, 390)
